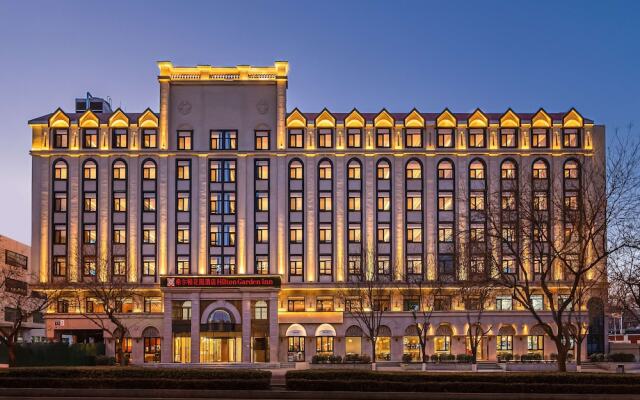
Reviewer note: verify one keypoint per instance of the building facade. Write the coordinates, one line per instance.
(238, 221)
(16, 276)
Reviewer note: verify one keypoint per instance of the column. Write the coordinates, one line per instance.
(195, 328)
(166, 355)
(246, 330)
(397, 348)
(274, 337)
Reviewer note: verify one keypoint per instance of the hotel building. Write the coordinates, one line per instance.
(238, 220)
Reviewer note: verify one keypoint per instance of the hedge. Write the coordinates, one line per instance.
(42, 354)
(136, 378)
(329, 377)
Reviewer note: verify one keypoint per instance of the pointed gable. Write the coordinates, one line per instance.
(446, 119)
(509, 119)
(414, 120)
(296, 119)
(477, 119)
(541, 119)
(383, 120)
(573, 119)
(148, 119)
(59, 119)
(354, 119)
(118, 119)
(89, 120)
(325, 120)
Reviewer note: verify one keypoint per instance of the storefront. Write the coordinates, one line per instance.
(296, 335)
(411, 344)
(325, 340)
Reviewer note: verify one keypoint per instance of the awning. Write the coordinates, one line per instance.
(296, 330)
(325, 330)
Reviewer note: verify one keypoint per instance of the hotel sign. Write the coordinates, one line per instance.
(246, 281)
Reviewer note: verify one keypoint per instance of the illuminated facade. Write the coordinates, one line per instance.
(224, 182)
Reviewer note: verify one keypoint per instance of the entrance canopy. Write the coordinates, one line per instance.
(296, 330)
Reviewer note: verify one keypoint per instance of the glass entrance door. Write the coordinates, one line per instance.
(220, 350)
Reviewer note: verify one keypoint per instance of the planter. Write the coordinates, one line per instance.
(436, 367)
(341, 366)
(537, 366)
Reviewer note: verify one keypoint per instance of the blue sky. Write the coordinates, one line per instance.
(342, 54)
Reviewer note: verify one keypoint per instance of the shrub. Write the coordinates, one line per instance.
(596, 357)
(105, 360)
(505, 356)
(531, 357)
(446, 357)
(621, 357)
(434, 358)
(406, 358)
(464, 358)
(48, 354)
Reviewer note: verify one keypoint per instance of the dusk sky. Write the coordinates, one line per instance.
(342, 54)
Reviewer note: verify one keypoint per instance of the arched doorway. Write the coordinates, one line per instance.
(220, 338)
(596, 335)
(296, 335)
(152, 344)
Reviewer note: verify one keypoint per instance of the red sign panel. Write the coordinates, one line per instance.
(249, 281)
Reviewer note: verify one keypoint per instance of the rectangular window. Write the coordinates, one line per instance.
(413, 138)
(414, 234)
(184, 140)
(295, 266)
(535, 342)
(504, 303)
(508, 265)
(89, 266)
(539, 138)
(89, 235)
(324, 233)
(182, 267)
(60, 202)
(354, 172)
(262, 265)
(354, 138)
(353, 202)
(354, 266)
(325, 138)
(223, 140)
(119, 234)
(295, 201)
(508, 202)
(183, 170)
(60, 234)
(295, 304)
(90, 138)
(120, 138)
(324, 303)
(295, 234)
(442, 303)
(59, 266)
(477, 138)
(445, 233)
(262, 140)
(414, 265)
(149, 234)
(355, 233)
(325, 201)
(149, 202)
(183, 234)
(384, 233)
(149, 138)
(119, 266)
(262, 170)
(445, 201)
(384, 201)
(445, 138)
(61, 138)
(262, 234)
(508, 138)
(325, 265)
(152, 304)
(476, 233)
(296, 138)
(540, 202)
(183, 203)
(476, 201)
(262, 201)
(445, 265)
(571, 138)
(537, 303)
(149, 266)
(383, 137)
(119, 202)
(414, 201)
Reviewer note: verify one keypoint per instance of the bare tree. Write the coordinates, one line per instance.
(366, 297)
(543, 247)
(624, 278)
(22, 302)
(101, 297)
(475, 295)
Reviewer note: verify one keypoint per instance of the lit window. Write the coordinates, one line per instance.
(476, 201)
(89, 266)
(325, 137)
(383, 137)
(149, 138)
(119, 234)
(60, 171)
(508, 202)
(296, 138)
(148, 266)
(476, 170)
(120, 138)
(571, 137)
(355, 233)
(414, 170)
(413, 137)
(508, 138)
(262, 140)
(539, 138)
(384, 201)
(149, 170)
(324, 170)
(324, 233)
(223, 140)
(119, 266)
(383, 267)
(325, 265)
(540, 201)
(353, 268)
(325, 201)
(354, 171)
(295, 234)
(120, 202)
(445, 201)
(149, 202)
(262, 265)
(59, 266)
(295, 201)
(508, 170)
(414, 234)
(508, 234)
(262, 234)
(183, 234)
(295, 269)
(383, 171)
(183, 265)
(540, 170)
(445, 170)
(90, 138)
(261, 310)
(183, 170)
(60, 138)
(414, 265)
(504, 303)
(60, 202)
(119, 170)
(183, 202)
(414, 201)
(324, 303)
(445, 137)
(354, 138)
(262, 170)
(184, 140)
(149, 234)
(477, 138)
(353, 202)
(384, 233)
(262, 201)
(537, 303)
(445, 233)
(508, 265)
(477, 233)
(295, 170)
(89, 234)
(571, 170)
(60, 234)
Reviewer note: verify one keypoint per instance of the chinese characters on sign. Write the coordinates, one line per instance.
(221, 281)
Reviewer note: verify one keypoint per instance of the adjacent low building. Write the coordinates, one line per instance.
(238, 221)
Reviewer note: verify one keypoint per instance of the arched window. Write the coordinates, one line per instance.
(383, 170)
(219, 316)
(60, 171)
(476, 170)
(324, 170)
(90, 171)
(508, 170)
(445, 170)
(149, 170)
(414, 170)
(119, 170)
(295, 170)
(540, 170)
(571, 169)
(354, 170)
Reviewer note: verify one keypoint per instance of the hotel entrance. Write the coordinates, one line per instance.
(220, 339)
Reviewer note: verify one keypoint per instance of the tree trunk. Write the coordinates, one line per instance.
(562, 360)
(122, 362)
(578, 352)
(11, 352)
(373, 354)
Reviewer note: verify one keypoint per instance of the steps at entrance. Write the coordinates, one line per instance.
(218, 366)
(488, 366)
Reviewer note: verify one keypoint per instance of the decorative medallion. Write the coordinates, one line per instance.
(184, 107)
(262, 106)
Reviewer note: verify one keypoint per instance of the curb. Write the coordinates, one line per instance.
(285, 394)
